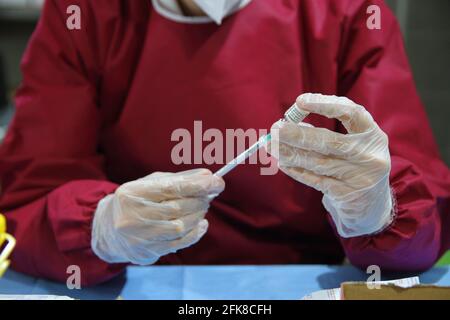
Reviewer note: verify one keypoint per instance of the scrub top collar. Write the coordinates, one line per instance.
(172, 11)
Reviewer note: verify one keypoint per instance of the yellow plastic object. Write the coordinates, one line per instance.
(7, 248)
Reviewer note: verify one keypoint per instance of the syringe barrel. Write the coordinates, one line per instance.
(293, 114)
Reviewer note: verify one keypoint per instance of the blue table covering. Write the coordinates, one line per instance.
(212, 282)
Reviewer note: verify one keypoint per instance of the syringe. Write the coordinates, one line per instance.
(293, 114)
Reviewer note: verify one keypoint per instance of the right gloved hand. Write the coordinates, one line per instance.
(154, 216)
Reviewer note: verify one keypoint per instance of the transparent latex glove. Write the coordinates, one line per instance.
(154, 216)
(351, 170)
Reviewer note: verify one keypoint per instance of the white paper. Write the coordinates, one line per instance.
(330, 294)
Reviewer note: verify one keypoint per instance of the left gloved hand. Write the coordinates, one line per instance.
(351, 170)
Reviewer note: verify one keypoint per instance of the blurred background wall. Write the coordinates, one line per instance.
(426, 29)
(425, 24)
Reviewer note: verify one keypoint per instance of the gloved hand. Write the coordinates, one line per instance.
(351, 170)
(154, 216)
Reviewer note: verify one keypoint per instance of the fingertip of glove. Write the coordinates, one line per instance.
(212, 185)
(200, 172)
(218, 184)
(215, 184)
(203, 226)
(305, 98)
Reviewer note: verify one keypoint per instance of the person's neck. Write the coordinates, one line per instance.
(190, 8)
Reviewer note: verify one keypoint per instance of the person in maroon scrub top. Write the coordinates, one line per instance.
(87, 176)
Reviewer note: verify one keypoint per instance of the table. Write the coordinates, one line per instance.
(212, 282)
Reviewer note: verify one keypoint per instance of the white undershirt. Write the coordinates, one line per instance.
(171, 10)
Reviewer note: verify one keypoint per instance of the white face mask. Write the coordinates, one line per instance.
(218, 9)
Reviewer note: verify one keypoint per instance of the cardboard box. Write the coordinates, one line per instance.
(362, 291)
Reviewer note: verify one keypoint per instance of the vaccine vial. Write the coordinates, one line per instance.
(295, 114)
